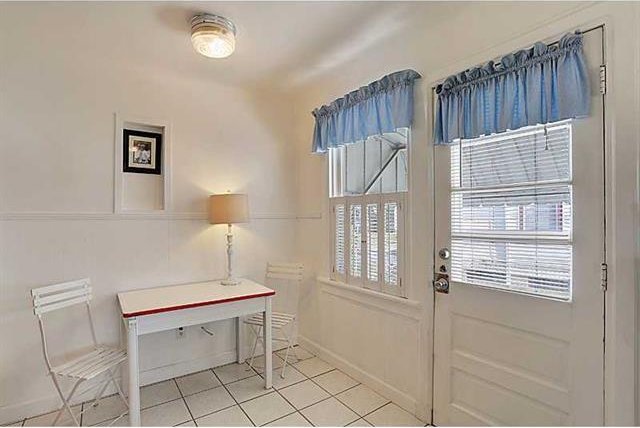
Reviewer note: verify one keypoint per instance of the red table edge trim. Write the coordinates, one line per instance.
(195, 305)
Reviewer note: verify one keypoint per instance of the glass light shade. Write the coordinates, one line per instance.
(213, 42)
(213, 36)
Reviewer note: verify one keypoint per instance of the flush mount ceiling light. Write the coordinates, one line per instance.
(213, 36)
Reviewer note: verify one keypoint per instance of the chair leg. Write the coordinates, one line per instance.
(98, 396)
(65, 401)
(255, 345)
(289, 338)
(120, 393)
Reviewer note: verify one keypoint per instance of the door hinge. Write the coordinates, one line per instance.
(604, 274)
(603, 79)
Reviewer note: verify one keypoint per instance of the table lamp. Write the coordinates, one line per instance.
(229, 208)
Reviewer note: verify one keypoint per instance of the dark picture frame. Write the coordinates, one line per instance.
(141, 152)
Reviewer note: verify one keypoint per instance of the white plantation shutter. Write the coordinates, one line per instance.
(511, 211)
(355, 240)
(372, 253)
(391, 248)
(367, 241)
(339, 239)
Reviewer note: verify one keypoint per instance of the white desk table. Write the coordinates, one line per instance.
(165, 308)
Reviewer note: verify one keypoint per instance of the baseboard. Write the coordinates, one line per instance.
(402, 399)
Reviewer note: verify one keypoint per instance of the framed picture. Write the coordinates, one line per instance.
(142, 152)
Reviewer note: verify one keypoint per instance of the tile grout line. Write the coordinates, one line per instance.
(310, 378)
(292, 406)
(375, 410)
(232, 397)
(185, 403)
(335, 395)
(345, 404)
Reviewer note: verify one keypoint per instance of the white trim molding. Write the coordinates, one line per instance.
(397, 305)
(133, 215)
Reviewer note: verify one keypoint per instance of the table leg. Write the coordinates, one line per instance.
(134, 380)
(122, 337)
(240, 340)
(268, 351)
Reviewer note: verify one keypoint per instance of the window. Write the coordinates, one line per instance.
(368, 183)
(511, 210)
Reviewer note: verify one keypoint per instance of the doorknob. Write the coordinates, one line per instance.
(441, 284)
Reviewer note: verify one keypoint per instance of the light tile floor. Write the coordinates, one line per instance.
(313, 393)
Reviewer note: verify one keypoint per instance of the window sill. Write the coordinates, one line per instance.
(386, 302)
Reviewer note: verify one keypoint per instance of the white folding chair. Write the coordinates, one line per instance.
(284, 323)
(99, 361)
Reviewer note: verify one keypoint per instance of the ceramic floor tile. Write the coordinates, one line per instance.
(335, 381)
(115, 422)
(209, 401)
(187, 424)
(248, 388)
(291, 376)
(330, 413)
(47, 419)
(313, 367)
(108, 408)
(362, 399)
(300, 353)
(359, 423)
(393, 415)
(197, 382)
(258, 363)
(231, 417)
(304, 394)
(158, 393)
(267, 408)
(292, 420)
(233, 372)
(164, 415)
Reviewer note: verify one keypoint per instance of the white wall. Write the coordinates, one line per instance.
(57, 108)
(463, 35)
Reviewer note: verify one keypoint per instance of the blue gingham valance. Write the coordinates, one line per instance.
(534, 86)
(382, 106)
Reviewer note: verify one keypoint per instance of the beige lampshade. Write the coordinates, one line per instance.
(228, 208)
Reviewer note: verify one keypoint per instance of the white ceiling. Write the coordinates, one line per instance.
(279, 44)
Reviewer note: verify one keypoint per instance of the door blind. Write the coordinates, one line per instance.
(511, 210)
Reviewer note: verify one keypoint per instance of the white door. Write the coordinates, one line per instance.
(518, 339)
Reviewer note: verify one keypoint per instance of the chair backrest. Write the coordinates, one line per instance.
(59, 296)
(285, 278)
(289, 271)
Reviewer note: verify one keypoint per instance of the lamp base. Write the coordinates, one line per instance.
(230, 281)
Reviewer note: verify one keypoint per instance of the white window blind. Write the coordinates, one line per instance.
(511, 210)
